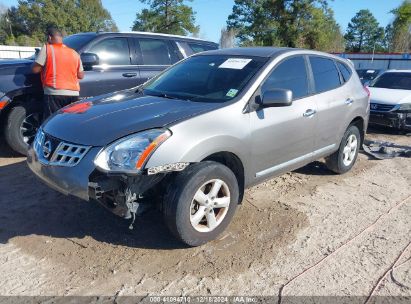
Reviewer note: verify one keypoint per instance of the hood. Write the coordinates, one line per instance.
(101, 120)
(6, 63)
(389, 96)
(16, 74)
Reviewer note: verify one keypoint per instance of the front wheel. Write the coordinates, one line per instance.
(344, 159)
(23, 120)
(201, 202)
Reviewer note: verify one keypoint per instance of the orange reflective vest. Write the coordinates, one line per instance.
(60, 70)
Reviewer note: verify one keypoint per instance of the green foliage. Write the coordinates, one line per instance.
(292, 23)
(401, 28)
(166, 16)
(31, 17)
(364, 33)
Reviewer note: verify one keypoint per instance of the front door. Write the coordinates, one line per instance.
(115, 71)
(283, 137)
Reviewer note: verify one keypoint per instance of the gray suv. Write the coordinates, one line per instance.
(193, 138)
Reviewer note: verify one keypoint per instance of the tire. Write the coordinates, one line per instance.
(338, 162)
(25, 115)
(180, 207)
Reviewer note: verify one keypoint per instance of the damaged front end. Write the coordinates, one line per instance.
(394, 116)
(114, 176)
(129, 195)
(123, 195)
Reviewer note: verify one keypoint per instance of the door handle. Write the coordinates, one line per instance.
(349, 101)
(309, 113)
(129, 74)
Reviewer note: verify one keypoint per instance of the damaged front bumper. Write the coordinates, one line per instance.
(398, 120)
(117, 192)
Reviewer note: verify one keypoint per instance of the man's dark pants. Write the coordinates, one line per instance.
(52, 103)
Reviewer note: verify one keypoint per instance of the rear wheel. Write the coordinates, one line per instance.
(201, 202)
(22, 123)
(344, 159)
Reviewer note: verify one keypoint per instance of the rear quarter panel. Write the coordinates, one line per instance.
(359, 108)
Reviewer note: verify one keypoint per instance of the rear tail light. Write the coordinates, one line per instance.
(3, 102)
(368, 91)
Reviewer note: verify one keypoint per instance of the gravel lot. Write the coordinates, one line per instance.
(309, 232)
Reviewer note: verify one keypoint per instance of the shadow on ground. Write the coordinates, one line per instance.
(5, 151)
(29, 207)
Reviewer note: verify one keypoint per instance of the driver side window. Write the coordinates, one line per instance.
(291, 74)
(112, 51)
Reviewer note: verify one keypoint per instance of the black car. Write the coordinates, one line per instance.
(112, 62)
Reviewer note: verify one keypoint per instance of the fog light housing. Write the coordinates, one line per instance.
(167, 168)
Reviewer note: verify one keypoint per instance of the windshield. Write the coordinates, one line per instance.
(77, 41)
(397, 80)
(206, 78)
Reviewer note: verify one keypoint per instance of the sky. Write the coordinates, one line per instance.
(212, 14)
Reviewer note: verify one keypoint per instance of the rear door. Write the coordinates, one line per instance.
(115, 70)
(332, 99)
(283, 137)
(153, 55)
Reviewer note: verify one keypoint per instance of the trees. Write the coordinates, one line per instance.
(31, 17)
(166, 16)
(364, 33)
(227, 38)
(401, 28)
(293, 23)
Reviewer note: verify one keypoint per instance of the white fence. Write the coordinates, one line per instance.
(10, 52)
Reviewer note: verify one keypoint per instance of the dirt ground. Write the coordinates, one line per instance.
(308, 232)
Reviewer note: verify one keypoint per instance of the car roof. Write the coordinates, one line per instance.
(149, 34)
(398, 71)
(250, 51)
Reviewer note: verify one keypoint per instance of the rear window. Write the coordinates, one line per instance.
(325, 73)
(345, 71)
(398, 81)
(154, 52)
(197, 48)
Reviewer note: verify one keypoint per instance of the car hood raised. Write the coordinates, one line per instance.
(390, 96)
(101, 120)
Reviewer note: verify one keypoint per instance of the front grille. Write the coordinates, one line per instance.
(68, 155)
(379, 107)
(53, 151)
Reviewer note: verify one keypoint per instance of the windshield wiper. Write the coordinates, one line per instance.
(163, 95)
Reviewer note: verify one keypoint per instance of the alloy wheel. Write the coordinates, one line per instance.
(209, 205)
(29, 127)
(350, 150)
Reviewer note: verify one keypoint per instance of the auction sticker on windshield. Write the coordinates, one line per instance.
(234, 63)
(231, 93)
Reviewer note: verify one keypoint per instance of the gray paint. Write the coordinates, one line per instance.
(268, 141)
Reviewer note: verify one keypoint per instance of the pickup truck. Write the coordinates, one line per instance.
(112, 62)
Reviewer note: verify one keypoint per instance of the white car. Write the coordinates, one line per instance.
(390, 103)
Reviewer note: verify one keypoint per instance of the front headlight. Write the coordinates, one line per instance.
(405, 107)
(130, 154)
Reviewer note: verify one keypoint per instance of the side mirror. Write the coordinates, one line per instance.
(89, 59)
(276, 98)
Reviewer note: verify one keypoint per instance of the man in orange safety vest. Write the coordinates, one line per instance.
(61, 69)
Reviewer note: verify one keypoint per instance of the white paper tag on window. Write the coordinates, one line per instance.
(234, 63)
